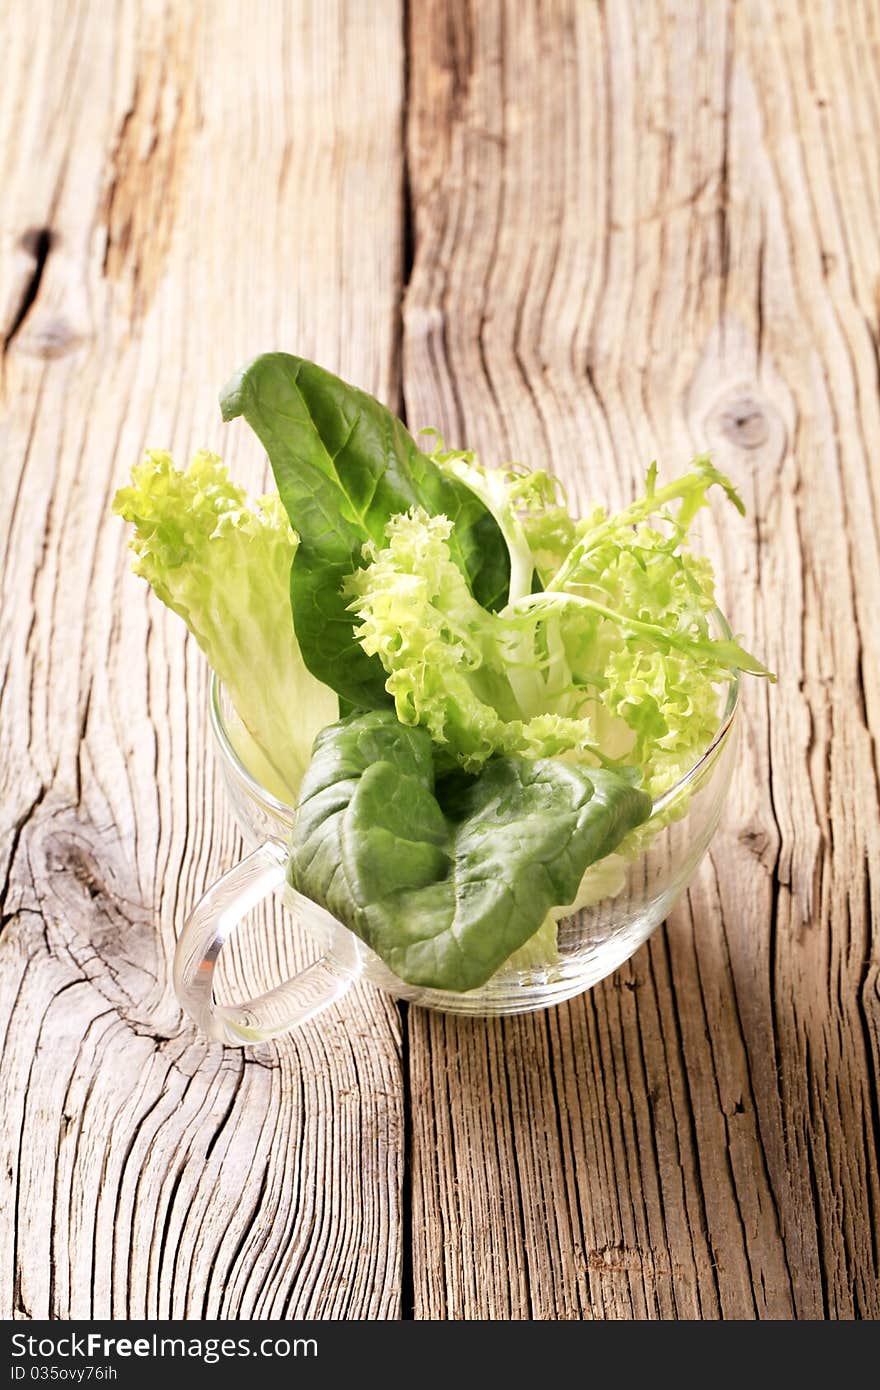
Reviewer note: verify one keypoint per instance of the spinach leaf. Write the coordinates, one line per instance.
(444, 894)
(344, 465)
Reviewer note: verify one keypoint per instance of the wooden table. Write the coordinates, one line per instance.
(583, 233)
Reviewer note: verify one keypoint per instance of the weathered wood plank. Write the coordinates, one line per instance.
(201, 185)
(640, 230)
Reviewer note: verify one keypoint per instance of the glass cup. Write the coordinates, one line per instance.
(627, 895)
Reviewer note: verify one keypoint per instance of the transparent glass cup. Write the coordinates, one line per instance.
(629, 894)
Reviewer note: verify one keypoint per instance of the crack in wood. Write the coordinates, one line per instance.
(38, 243)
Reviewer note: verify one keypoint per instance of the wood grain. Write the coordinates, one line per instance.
(642, 230)
(182, 189)
(559, 230)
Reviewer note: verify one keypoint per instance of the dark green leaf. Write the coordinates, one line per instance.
(445, 894)
(344, 465)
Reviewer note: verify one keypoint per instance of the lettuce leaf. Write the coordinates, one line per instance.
(445, 883)
(619, 666)
(471, 678)
(529, 506)
(222, 562)
(602, 880)
(344, 464)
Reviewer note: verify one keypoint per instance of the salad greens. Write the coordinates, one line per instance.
(530, 507)
(518, 685)
(344, 465)
(223, 563)
(444, 884)
(619, 664)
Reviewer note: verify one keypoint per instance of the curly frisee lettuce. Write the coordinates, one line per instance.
(222, 563)
(614, 664)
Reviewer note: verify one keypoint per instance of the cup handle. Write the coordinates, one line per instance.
(214, 920)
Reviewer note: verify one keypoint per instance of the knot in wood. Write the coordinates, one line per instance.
(50, 338)
(744, 422)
